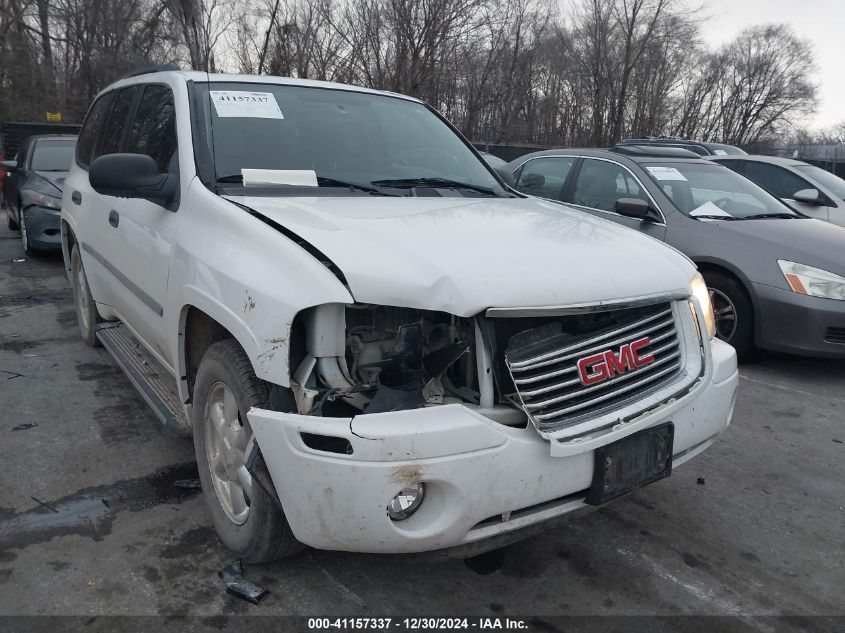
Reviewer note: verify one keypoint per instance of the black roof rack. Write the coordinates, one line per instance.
(654, 151)
(152, 69)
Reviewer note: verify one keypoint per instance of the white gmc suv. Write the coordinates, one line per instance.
(377, 345)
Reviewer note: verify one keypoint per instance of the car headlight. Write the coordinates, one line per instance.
(698, 289)
(814, 282)
(44, 200)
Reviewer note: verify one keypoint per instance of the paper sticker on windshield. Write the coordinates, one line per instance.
(666, 173)
(709, 209)
(252, 105)
(719, 152)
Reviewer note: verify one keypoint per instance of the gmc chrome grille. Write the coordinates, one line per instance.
(562, 377)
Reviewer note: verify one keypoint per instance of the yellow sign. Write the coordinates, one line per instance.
(55, 117)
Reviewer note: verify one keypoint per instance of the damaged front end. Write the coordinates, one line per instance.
(363, 358)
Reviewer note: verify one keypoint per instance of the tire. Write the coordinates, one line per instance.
(9, 221)
(729, 296)
(28, 250)
(249, 522)
(86, 310)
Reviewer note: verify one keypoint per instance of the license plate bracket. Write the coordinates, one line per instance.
(632, 462)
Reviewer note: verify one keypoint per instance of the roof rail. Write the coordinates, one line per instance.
(654, 151)
(152, 69)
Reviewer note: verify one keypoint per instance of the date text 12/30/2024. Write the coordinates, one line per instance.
(418, 624)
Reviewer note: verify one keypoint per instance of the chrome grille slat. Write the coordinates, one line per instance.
(656, 339)
(548, 383)
(606, 396)
(609, 383)
(551, 355)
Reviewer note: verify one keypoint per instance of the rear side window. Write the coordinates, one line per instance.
(91, 129)
(544, 177)
(153, 131)
(117, 121)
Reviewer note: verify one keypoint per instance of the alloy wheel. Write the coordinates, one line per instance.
(724, 311)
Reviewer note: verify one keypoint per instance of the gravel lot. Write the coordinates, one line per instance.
(754, 526)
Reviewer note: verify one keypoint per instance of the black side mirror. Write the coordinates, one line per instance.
(9, 165)
(807, 196)
(634, 208)
(132, 176)
(505, 174)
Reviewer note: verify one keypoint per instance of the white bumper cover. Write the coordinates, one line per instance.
(482, 478)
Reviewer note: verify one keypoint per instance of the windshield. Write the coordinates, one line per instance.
(359, 142)
(713, 191)
(53, 155)
(825, 179)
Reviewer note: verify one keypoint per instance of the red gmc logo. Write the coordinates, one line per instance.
(605, 365)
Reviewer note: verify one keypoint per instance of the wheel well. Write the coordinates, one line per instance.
(70, 241)
(704, 267)
(200, 331)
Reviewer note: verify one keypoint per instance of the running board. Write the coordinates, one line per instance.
(153, 382)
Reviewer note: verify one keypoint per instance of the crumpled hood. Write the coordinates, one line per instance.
(462, 255)
(54, 178)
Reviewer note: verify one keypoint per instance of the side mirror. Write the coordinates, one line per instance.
(132, 176)
(9, 165)
(506, 175)
(634, 208)
(807, 196)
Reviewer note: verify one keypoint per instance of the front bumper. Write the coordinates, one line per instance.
(483, 479)
(43, 227)
(798, 324)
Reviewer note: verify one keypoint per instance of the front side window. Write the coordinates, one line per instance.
(545, 177)
(53, 155)
(601, 183)
(831, 181)
(713, 191)
(118, 120)
(91, 129)
(334, 137)
(153, 130)
(776, 179)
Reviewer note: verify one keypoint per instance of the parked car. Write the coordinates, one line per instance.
(702, 148)
(33, 190)
(377, 346)
(810, 189)
(776, 278)
(493, 161)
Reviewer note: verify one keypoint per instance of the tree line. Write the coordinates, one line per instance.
(580, 72)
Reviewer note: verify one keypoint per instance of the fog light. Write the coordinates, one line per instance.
(406, 502)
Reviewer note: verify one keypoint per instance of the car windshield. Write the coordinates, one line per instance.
(53, 155)
(713, 191)
(825, 179)
(360, 142)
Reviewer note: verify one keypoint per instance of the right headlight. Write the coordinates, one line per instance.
(814, 282)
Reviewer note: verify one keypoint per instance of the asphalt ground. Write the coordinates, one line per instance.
(95, 518)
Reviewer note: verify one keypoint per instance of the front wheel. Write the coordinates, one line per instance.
(733, 312)
(86, 309)
(27, 247)
(247, 519)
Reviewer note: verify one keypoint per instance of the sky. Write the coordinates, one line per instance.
(820, 22)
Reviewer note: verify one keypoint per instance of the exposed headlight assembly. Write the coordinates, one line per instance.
(698, 289)
(815, 282)
(43, 200)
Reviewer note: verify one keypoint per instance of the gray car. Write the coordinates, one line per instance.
(810, 189)
(776, 278)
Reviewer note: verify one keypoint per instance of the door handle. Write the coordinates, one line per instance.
(114, 218)
(76, 197)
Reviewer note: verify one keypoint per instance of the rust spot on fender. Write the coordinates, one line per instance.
(407, 474)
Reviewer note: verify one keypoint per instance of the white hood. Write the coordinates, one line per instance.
(462, 256)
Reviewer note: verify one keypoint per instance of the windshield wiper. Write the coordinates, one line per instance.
(763, 216)
(443, 183)
(321, 181)
(713, 217)
(334, 182)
